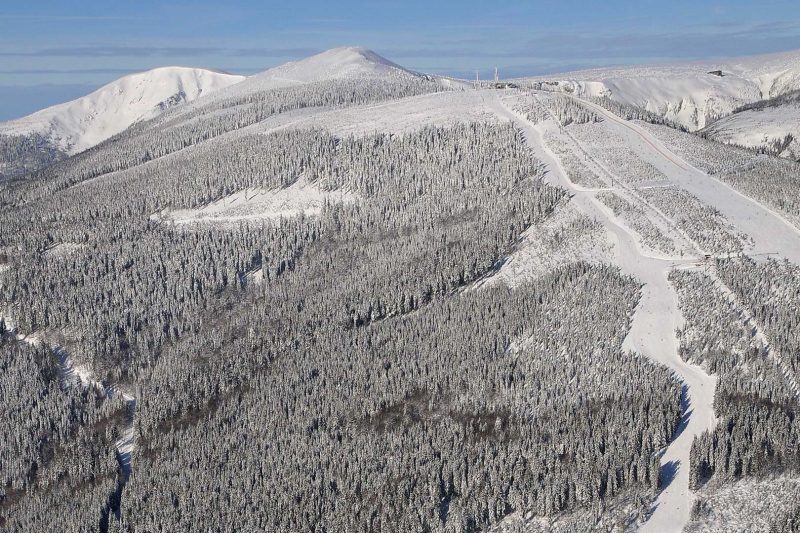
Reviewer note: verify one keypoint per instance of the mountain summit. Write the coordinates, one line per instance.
(80, 124)
(37, 140)
(344, 63)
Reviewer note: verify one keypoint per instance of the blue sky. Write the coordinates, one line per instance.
(52, 50)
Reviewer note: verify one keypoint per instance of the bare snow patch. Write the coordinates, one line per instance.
(301, 197)
(568, 236)
(63, 249)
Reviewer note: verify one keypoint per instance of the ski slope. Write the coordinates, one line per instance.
(771, 233)
(657, 316)
(652, 334)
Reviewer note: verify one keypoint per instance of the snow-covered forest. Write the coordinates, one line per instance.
(306, 302)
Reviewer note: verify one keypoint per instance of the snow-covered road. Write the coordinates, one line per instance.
(652, 334)
(771, 233)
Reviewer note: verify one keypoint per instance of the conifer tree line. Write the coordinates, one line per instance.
(636, 217)
(790, 97)
(704, 224)
(563, 109)
(630, 112)
(474, 407)
(185, 126)
(771, 292)
(758, 429)
(21, 154)
(109, 290)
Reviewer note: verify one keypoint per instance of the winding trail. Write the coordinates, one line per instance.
(652, 334)
(71, 375)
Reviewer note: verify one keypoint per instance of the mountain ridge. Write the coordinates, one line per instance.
(82, 123)
(687, 93)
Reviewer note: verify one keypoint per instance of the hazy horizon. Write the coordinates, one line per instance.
(50, 49)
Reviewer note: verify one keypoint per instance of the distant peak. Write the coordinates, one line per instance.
(353, 54)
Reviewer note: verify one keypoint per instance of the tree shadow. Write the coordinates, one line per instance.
(668, 472)
(686, 413)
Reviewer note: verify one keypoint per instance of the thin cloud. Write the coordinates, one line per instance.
(113, 51)
(100, 50)
(67, 71)
(272, 52)
(62, 17)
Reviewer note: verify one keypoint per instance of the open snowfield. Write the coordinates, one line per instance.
(685, 92)
(760, 128)
(256, 204)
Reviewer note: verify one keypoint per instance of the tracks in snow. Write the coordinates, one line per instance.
(770, 231)
(652, 334)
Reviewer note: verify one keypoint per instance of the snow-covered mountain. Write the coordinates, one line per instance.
(80, 124)
(344, 63)
(349, 62)
(772, 125)
(688, 93)
(38, 140)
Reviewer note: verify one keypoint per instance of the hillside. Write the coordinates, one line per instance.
(349, 62)
(769, 125)
(80, 124)
(686, 93)
(340, 296)
(37, 140)
(40, 139)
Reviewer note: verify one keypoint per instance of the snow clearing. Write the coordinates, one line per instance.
(300, 198)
